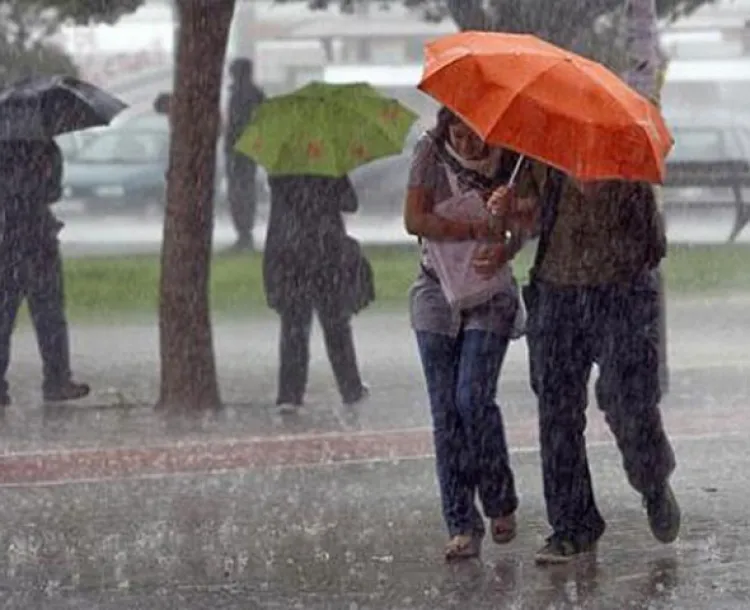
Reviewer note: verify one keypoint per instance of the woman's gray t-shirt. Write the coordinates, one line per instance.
(429, 309)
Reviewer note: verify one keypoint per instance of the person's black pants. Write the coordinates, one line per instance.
(296, 325)
(38, 279)
(242, 196)
(617, 328)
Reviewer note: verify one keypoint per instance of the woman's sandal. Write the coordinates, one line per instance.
(503, 529)
(463, 547)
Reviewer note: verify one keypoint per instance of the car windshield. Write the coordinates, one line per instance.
(125, 146)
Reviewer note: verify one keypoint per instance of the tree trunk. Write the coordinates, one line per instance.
(188, 369)
(469, 14)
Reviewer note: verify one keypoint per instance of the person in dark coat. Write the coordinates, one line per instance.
(31, 265)
(244, 97)
(311, 265)
(594, 299)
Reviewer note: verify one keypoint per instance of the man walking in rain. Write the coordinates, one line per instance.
(594, 299)
(30, 263)
(244, 97)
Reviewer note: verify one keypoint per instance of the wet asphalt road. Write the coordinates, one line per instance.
(709, 360)
(355, 535)
(364, 536)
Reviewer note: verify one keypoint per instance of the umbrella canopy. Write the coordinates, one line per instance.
(325, 130)
(39, 108)
(525, 94)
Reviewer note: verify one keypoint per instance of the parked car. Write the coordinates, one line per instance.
(119, 170)
(152, 120)
(122, 169)
(71, 143)
(709, 166)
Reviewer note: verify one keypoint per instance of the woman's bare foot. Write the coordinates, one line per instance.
(462, 547)
(503, 529)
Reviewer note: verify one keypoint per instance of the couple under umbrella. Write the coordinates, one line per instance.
(543, 142)
(32, 112)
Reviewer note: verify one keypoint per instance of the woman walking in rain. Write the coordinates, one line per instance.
(462, 351)
(311, 265)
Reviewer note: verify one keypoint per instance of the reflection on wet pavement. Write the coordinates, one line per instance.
(338, 509)
(362, 536)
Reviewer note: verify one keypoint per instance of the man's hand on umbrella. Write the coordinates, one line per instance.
(500, 201)
(517, 214)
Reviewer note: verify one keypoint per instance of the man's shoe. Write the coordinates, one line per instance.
(664, 516)
(4, 400)
(361, 395)
(288, 406)
(560, 550)
(67, 391)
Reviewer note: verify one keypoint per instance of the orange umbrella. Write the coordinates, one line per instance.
(525, 94)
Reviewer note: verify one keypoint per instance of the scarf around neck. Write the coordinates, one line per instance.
(481, 174)
(487, 166)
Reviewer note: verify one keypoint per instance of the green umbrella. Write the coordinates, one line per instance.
(325, 130)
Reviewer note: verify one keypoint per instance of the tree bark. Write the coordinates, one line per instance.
(188, 368)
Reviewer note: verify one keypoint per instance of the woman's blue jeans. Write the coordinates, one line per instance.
(471, 452)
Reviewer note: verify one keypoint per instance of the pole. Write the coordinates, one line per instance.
(645, 74)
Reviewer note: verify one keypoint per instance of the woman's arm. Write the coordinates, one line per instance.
(420, 220)
(419, 217)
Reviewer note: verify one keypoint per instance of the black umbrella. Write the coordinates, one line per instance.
(43, 107)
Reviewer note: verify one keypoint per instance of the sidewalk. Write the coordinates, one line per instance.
(107, 505)
(116, 432)
(366, 537)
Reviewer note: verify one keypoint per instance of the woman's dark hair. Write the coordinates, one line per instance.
(445, 118)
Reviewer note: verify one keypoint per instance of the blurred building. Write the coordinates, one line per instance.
(709, 57)
(717, 30)
(292, 45)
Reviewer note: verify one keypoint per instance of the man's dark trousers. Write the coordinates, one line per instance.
(615, 327)
(242, 195)
(38, 278)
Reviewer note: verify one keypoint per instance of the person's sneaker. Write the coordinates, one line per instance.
(67, 391)
(664, 516)
(362, 395)
(559, 550)
(288, 407)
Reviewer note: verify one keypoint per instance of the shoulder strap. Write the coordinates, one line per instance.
(549, 203)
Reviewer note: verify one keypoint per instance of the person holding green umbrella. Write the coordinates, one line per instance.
(309, 141)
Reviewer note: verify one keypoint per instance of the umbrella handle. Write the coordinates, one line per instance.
(516, 170)
(511, 183)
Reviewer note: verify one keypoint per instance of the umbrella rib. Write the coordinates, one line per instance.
(367, 117)
(592, 76)
(517, 94)
(335, 154)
